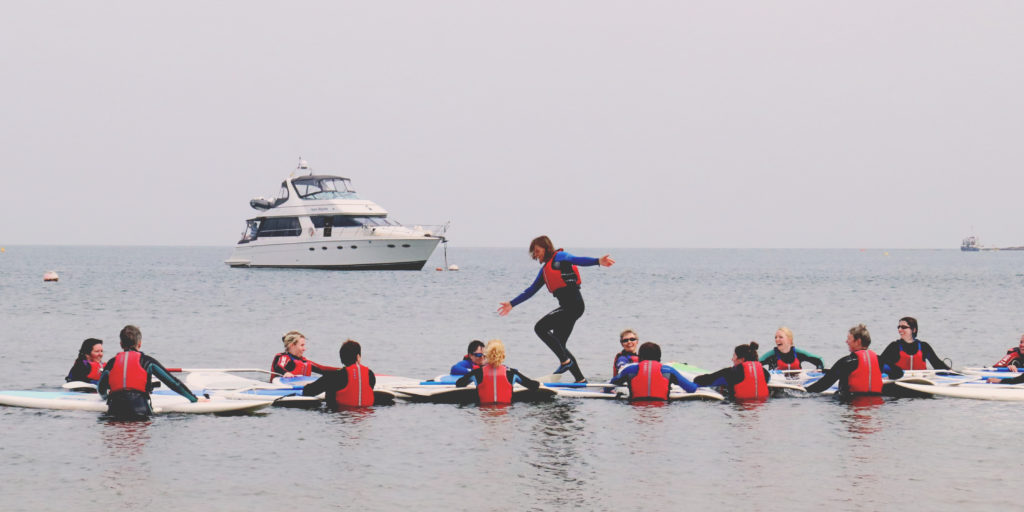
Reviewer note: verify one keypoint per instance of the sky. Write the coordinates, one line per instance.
(690, 124)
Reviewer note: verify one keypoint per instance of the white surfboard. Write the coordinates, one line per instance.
(64, 400)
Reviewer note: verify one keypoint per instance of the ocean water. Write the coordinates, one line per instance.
(798, 452)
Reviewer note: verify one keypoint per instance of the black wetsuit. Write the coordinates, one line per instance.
(130, 403)
(841, 371)
(330, 383)
(891, 354)
(80, 371)
(726, 377)
(511, 374)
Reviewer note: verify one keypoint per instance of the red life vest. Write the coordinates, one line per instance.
(1011, 355)
(94, 370)
(867, 378)
(128, 373)
(357, 393)
(753, 384)
(303, 367)
(556, 279)
(914, 362)
(495, 387)
(649, 383)
(615, 363)
(782, 365)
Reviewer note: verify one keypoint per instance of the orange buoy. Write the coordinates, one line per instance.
(50, 276)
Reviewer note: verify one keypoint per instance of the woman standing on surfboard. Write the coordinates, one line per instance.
(558, 271)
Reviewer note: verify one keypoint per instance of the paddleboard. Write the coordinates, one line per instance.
(972, 390)
(64, 400)
(446, 394)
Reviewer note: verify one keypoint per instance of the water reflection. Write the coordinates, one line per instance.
(125, 443)
(859, 417)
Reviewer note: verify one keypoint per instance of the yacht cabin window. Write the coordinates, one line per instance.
(350, 221)
(279, 226)
(323, 187)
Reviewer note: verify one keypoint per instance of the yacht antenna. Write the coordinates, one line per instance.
(303, 165)
(445, 243)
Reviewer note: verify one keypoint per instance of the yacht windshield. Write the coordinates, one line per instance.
(324, 187)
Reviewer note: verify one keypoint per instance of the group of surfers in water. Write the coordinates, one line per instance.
(127, 379)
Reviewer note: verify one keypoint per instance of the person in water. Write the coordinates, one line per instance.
(1014, 357)
(473, 359)
(558, 271)
(629, 341)
(89, 363)
(494, 380)
(291, 362)
(860, 372)
(908, 352)
(787, 357)
(351, 386)
(127, 379)
(745, 379)
(648, 379)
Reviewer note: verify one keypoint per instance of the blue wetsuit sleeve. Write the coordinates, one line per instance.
(719, 378)
(104, 384)
(179, 387)
(462, 367)
(893, 371)
(522, 379)
(678, 378)
(579, 261)
(626, 375)
(527, 293)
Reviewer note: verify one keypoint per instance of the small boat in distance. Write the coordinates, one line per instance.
(318, 222)
(970, 244)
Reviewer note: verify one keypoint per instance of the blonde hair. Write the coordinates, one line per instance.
(785, 330)
(623, 333)
(291, 337)
(495, 352)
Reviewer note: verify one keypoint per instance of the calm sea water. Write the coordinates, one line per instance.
(799, 452)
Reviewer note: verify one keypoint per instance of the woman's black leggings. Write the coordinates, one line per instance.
(555, 327)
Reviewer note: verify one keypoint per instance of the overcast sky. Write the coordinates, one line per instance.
(866, 124)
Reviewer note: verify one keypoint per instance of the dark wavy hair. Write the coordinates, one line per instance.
(544, 242)
(649, 351)
(746, 352)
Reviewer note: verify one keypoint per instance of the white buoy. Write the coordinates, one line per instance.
(50, 276)
(453, 267)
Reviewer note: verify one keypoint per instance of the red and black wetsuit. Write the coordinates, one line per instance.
(85, 370)
(126, 382)
(298, 366)
(351, 386)
(846, 369)
(509, 375)
(902, 354)
(1013, 356)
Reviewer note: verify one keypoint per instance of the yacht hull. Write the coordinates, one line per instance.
(381, 254)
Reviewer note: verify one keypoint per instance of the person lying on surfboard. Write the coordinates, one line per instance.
(473, 359)
(127, 379)
(494, 380)
(649, 379)
(291, 362)
(860, 372)
(351, 386)
(1014, 357)
(745, 379)
(89, 363)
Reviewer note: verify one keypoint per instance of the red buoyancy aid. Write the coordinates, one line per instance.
(1011, 355)
(867, 378)
(914, 362)
(495, 388)
(649, 383)
(358, 392)
(128, 373)
(615, 363)
(782, 365)
(94, 370)
(303, 367)
(557, 279)
(753, 384)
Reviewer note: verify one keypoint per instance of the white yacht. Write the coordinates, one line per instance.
(317, 221)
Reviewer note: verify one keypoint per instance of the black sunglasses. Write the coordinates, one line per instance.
(478, 354)
(624, 340)
(903, 327)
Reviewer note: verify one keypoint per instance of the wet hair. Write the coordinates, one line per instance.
(544, 242)
(291, 337)
(786, 330)
(349, 352)
(649, 351)
(912, 322)
(623, 333)
(87, 346)
(131, 336)
(746, 352)
(495, 352)
(860, 332)
(474, 346)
